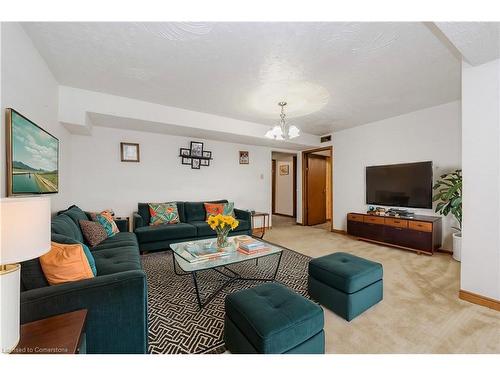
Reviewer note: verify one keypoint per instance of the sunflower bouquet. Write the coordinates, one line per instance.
(222, 225)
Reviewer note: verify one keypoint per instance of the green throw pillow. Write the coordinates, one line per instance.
(163, 213)
(90, 258)
(229, 209)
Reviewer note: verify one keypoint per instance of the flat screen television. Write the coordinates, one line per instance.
(400, 185)
(32, 157)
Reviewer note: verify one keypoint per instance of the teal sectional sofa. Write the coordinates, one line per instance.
(116, 298)
(192, 226)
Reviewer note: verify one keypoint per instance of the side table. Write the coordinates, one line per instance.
(122, 222)
(59, 334)
(259, 232)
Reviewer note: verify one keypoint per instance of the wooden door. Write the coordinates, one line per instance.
(316, 189)
(328, 188)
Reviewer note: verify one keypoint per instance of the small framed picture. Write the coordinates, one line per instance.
(207, 154)
(186, 161)
(196, 148)
(284, 169)
(195, 164)
(185, 152)
(129, 152)
(205, 162)
(244, 159)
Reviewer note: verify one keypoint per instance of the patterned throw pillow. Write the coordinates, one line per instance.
(66, 262)
(163, 213)
(105, 218)
(214, 209)
(93, 232)
(229, 209)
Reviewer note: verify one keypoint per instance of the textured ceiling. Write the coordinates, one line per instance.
(478, 42)
(333, 75)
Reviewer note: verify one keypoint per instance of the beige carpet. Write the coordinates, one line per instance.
(420, 313)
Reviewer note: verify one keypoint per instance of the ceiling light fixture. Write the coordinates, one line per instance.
(283, 131)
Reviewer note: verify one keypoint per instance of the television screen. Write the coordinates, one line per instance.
(33, 156)
(400, 185)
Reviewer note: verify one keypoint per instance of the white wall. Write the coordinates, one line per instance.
(480, 271)
(284, 185)
(429, 134)
(29, 87)
(101, 180)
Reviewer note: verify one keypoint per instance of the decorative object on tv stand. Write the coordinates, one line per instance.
(448, 194)
(129, 152)
(222, 225)
(25, 234)
(244, 157)
(195, 155)
(32, 157)
(283, 131)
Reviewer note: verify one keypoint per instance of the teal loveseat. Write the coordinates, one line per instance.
(192, 226)
(116, 298)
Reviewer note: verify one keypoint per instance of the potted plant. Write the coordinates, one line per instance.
(448, 194)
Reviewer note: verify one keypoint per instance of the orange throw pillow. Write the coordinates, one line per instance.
(64, 263)
(214, 209)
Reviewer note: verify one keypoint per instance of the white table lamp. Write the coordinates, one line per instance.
(25, 234)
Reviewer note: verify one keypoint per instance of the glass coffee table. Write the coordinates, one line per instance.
(221, 264)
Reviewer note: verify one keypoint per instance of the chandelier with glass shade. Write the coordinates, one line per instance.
(283, 131)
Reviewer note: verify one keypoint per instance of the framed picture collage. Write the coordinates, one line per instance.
(195, 155)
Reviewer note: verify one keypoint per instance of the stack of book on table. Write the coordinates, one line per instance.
(198, 252)
(252, 246)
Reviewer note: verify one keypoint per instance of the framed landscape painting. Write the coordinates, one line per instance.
(32, 157)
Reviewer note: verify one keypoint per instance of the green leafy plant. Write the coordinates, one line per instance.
(448, 194)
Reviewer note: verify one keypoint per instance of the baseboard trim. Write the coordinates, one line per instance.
(339, 231)
(479, 300)
(445, 251)
(284, 215)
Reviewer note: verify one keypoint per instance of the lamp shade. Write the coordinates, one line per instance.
(25, 228)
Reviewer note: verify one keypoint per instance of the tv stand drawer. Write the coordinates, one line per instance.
(355, 217)
(398, 223)
(421, 226)
(373, 219)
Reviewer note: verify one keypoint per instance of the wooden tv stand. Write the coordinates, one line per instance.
(420, 233)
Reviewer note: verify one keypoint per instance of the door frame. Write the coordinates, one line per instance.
(294, 186)
(274, 170)
(273, 178)
(305, 156)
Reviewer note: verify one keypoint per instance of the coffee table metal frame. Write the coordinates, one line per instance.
(223, 269)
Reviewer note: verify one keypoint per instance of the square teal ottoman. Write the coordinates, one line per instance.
(272, 319)
(345, 284)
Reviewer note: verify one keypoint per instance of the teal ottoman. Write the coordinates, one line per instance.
(272, 319)
(345, 284)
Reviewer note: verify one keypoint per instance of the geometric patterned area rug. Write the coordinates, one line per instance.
(177, 326)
